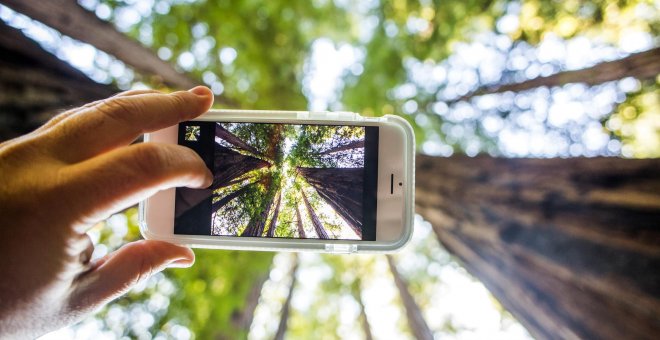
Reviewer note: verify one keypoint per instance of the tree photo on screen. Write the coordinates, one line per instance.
(291, 181)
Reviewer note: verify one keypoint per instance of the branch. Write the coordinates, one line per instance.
(72, 20)
(643, 65)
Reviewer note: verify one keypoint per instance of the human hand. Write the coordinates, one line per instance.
(60, 180)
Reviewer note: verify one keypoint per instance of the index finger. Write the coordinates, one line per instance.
(117, 121)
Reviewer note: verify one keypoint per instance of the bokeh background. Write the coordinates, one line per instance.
(428, 61)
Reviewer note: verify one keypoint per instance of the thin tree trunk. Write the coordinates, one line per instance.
(230, 165)
(242, 319)
(643, 65)
(356, 291)
(255, 227)
(318, 226)
(348, 146)
(416, 320)
(224, 200)
(221, 132)
(341, 188)
(273, 221)
(286, 307)
(571, 247)
(301, 230)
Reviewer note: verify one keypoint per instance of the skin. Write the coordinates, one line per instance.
(73, 172)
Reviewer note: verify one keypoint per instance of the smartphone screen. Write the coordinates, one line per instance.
(281, 180)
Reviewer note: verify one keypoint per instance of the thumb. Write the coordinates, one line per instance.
(118, 272)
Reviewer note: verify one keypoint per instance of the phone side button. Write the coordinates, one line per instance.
(341, 248)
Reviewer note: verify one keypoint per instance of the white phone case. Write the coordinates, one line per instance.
(286, 244)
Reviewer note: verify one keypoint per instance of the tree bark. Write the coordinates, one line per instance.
(416, 320)
(348, 146)
(72, 20)
(571, 247)
(318, 226)
(223, 201)
(35, 85)
(230, 165)
(242, 320)
(232, 139)
(286, 307)
(643, 65)
(356, 291)
(341, 188)
(301, 230)
(255, 227)
(273, 221)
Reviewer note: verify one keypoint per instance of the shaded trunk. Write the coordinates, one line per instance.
(571, 247)
(643, 65)
(301, 230)
(242, 319)
(341, 188)
(230, 165)
(352, 145)
(255, 227)
(414, 315)
(35, 85)
(221, 132)
(286, 308)
(318, 226)
(273, 221)
(223, 201)
(356, 291)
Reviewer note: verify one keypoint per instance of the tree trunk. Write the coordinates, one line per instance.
(416, 321)
(242, 319)
(643, 65)
(273, 221)
(224, 200)
(356, 291)
(341, 188)
(286, 307)
(255, 227)
(348, 146)
(35, 85)
(230, 165)
(571, 247)
(318, 226)
(226, 135)
(301, 230)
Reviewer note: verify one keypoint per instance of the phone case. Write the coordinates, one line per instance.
(314, 245)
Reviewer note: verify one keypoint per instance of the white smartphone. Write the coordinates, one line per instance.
(332, 182)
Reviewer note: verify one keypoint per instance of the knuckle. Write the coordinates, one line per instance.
(120, 108)
(149, 157)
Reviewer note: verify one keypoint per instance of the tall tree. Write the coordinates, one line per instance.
(232, 139)
(569, 246)
(642, 65)
(318, 226)
(257, 223)
(299, 223)
(273, 220)
(341, 188)
(228, 198)
(416, 321)
(286, 307)
(230, 165)
(356, 292)
(343, 147)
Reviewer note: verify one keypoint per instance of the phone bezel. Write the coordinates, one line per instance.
(394, 207)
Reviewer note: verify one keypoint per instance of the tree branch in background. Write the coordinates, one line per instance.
(643, 65)
(571, 247)
(72, 20)
(416, 321)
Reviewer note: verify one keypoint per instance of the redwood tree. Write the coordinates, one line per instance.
(318, 226)
(341, 188)
(568, 246)
(230, 165)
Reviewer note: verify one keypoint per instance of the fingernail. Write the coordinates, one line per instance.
(200, 90)
(181, 263)
(209, 179)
